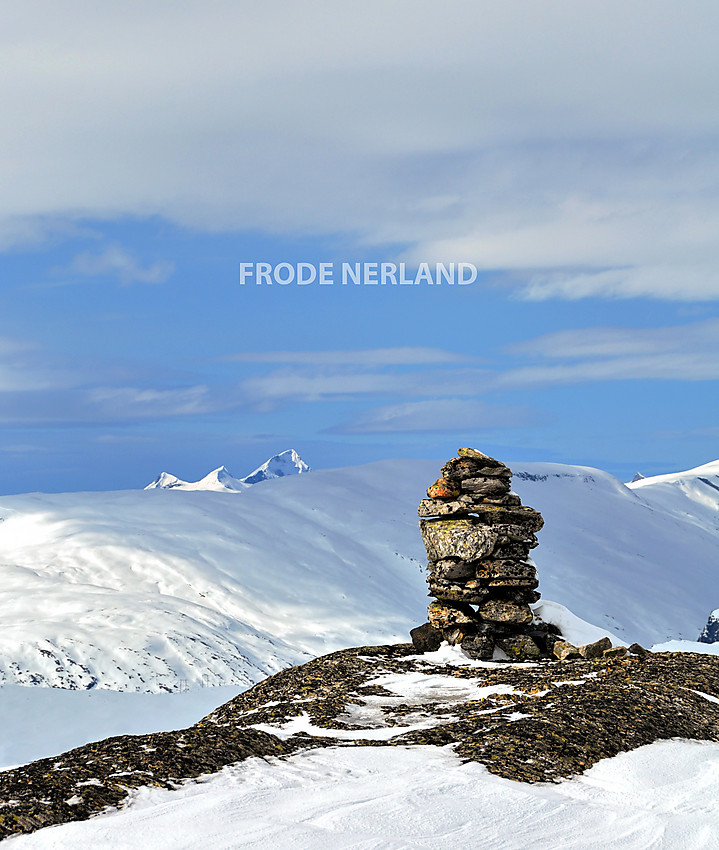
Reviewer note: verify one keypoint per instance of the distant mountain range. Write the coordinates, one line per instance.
(222, 480)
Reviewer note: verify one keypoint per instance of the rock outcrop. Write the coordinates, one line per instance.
(531, 723)
(710, 632)
(478, 536)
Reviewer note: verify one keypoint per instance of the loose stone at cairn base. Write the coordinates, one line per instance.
(478, 536)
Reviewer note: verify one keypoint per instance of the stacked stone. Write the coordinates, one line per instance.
(478, 536)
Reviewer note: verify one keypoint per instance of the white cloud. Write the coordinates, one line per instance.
(543, 138)
(133, 402)
(684, 352)
(700, 337)
(110, 405)
(308, 385)
(118, 263)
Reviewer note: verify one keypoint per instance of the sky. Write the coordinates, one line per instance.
(566, 150)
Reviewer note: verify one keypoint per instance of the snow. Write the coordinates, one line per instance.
(686, 646)
(455, 656)
(152, 590)
(640, 561)
(691, 495)
(407, 689)
(285, 463)
(41, 722)
(573, 628)
(662, 795)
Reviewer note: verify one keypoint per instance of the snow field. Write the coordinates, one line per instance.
(665, 795)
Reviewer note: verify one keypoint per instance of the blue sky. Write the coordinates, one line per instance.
(567, 150)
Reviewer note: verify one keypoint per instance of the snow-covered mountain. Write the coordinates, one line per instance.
(710, 632)
(221, 480)
(139, 590)
(694, 493)
(285, 463)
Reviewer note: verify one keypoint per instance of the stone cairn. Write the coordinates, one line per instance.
(478, 536)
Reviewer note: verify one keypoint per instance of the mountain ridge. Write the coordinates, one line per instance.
(221, 479)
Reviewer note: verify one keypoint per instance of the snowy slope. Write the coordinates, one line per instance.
(692, 495)
(618, 557)
(145, 590)
(221, 480)
(664, 795)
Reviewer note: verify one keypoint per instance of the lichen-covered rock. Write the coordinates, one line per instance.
(451, 507)
(596, 649)
(499, 611)
(517, 583)
(462, 538)
(491, 569)
(442, 489)
(469, 461)
(464, 505)
(451, 569)
(475, 454)
(442, 616)
(615, 652)
(508, 534)
(511, 550)
(563, 650)
(470, 592)
(508, 500)
(425, 638)
(520, 648)
(480, 647)
(526, 518)
(489, 488)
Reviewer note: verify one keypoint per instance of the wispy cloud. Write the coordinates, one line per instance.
(24, 366)
(449, 414)
(684, 352)
(307, 385)
(116, 263)
(108, 405)
(603, 342)
(401, 356)
(22, 448)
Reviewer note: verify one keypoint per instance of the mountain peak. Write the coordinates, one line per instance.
(165, 481)
(285, 463)
(221, 479)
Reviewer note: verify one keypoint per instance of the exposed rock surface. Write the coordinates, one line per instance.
(710, 632)
(478, 536)
(528, 722)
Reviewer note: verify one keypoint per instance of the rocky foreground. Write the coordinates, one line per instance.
(528, 722)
